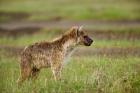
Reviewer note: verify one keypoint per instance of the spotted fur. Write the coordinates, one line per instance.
(50, 54)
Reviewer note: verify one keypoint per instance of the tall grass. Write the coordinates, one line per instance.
(80, 75)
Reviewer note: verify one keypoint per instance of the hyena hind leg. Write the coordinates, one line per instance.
(25, 73)
(25, 67)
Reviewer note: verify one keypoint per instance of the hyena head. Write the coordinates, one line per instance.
(81, 37)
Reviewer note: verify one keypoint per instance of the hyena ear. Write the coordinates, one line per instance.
(80, 28)
(76, 30)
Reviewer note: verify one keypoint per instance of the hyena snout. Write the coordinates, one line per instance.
(87, 41)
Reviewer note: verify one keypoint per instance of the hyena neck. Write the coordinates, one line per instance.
(68, 48)
(69, 45)
(66, 42)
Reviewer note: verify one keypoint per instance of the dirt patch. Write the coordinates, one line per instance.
(63, 25)
(56, 18)
(14, 51)
(96, 34)
(19, 31)
(13, 16)
(108, 51)
(129, 35)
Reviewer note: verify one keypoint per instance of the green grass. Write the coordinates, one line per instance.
(74, 10)
(80, 75)
(116, 43)
(86, 74)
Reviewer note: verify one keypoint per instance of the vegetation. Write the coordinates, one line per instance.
(85, 72)
(73, 9)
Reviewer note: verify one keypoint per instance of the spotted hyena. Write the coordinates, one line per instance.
(51, 54)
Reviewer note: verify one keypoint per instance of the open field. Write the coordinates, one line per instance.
(110, 65)
(36, 10)
(81, 75)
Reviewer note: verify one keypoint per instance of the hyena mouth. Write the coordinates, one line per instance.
(87, 41)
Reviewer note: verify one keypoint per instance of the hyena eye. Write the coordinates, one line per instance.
(85, 37)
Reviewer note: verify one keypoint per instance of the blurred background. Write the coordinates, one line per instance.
(114, 57)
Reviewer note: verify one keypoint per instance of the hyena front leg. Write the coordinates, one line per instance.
(56, 70)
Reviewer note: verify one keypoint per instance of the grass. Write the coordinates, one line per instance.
(86, 74)
(116, 43)
(74, 10)
(107, 75)
(83, 74)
